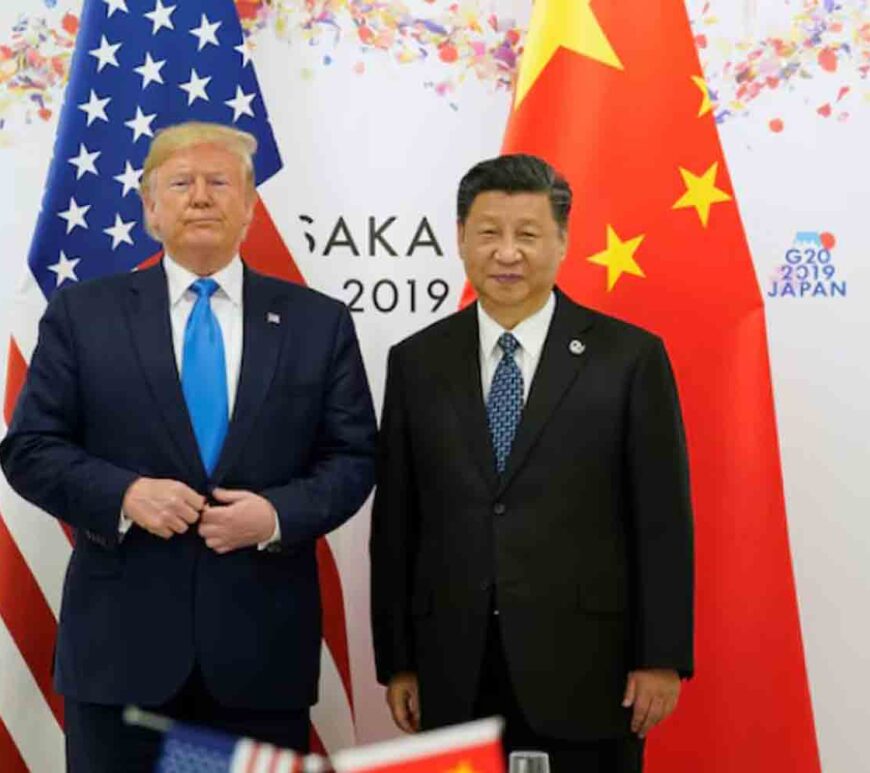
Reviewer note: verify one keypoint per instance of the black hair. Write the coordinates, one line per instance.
(516, 173)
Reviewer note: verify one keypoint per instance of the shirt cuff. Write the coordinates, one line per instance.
(276, 534)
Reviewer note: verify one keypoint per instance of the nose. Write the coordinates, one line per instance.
(507, 251)
(199, 193)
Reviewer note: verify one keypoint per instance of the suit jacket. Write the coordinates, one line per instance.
(103, 405)
(584, 542)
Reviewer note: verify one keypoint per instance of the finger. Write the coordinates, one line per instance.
(230, 495)
(177, 526)
(163, 532)
(414, 709)
(642, 703)
(216, 514)
(208, 531)
(398, 708)
(653, 717)
(187, 513)
(630, 691)
(191, 497)
(215, 543)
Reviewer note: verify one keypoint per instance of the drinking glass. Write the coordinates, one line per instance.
(529, 762)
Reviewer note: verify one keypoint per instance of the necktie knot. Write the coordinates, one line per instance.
(508, 343)
(204, 287)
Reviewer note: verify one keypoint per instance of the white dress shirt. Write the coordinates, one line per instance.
(530, 333)
(227, 306)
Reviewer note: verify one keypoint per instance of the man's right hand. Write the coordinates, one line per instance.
(403, 698)
(161, 506)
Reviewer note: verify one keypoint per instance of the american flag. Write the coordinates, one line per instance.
(138, 65)
(190, 749)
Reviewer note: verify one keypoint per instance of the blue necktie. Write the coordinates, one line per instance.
(204, 375)
(504, 406)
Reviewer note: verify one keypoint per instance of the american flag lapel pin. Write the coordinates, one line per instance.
(273, 318)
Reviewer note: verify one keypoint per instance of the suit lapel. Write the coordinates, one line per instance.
(147, 310)
(264, 328)
(462, 372)
(557, 369)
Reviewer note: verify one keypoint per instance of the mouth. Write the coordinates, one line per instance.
(506, 279)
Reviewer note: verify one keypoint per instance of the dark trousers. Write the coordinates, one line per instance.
(98, 740)
(496, 697)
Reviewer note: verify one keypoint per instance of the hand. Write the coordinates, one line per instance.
(161, 506)
(243, 520)
(653, 692)
(403, 698)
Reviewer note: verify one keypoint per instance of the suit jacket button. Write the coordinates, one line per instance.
(499, 508)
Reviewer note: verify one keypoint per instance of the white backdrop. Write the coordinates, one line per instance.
(375, 129)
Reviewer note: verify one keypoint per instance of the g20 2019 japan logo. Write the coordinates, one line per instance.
(809, 269)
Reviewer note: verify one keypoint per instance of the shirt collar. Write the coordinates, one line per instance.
(179, 279)
(531, 332)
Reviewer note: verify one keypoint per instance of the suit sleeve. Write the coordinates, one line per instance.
(342, 469)
(42, 456)
(393, 535)
(662, 517)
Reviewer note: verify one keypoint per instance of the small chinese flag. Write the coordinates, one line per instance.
(471, 748)
(612, 94)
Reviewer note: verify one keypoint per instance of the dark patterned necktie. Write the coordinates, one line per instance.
(504, 405)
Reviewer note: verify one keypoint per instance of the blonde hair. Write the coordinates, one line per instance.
(171, 139)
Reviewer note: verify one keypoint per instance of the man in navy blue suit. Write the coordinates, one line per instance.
(200, 426)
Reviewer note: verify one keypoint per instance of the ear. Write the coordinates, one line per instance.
(149, 205)
(563, 242)
(460, 235)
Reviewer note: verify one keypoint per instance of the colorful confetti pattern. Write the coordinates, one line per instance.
(465, 39)
(34, 64)
(828, 43)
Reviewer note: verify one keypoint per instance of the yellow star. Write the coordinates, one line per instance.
(706, 102)
(462, 767)
(618, 258)
(570, 24)
(701, 192)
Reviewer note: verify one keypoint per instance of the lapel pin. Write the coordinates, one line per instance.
(576, 347)
(273, 319)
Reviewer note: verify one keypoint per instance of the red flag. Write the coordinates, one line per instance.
(470, 748)
(612, 94)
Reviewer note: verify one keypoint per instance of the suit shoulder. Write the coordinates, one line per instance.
(613, 328)
(436, 333)
(95, 291)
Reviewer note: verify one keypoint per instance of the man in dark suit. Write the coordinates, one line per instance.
(531, 538)
(200, 426)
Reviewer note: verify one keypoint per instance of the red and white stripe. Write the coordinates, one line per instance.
(35, 549)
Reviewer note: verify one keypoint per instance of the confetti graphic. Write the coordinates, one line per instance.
(34, 65)
(464, 39)
(826, 46)
(821, 44)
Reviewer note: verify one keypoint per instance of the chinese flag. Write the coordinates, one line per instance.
(611, 93)
(470, 748)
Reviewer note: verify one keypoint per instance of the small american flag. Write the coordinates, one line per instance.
(190, 749)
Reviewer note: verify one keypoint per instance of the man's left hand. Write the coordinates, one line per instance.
(242, 519)
(653, 692)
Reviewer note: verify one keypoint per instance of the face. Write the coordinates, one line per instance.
(512, 247)
(200, 204)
